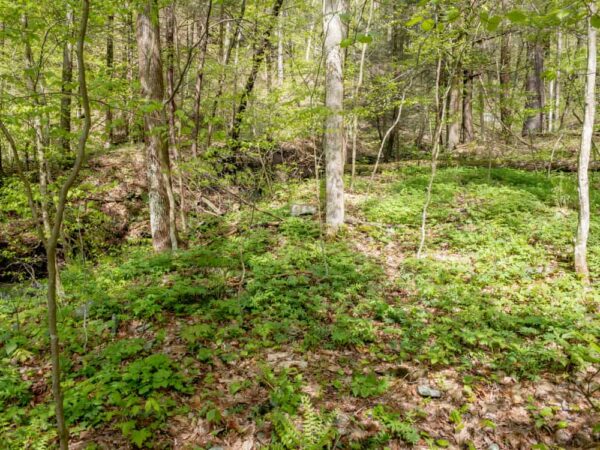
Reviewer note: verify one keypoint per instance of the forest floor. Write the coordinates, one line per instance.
(263, 333)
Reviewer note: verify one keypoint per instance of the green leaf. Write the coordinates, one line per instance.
(516, 16)
(138, 437)
(152, 405)
(364, 38)
(595, 21)
(428, 25)
(493, 23)
(414, 21)
(346, 43)
(442, 443)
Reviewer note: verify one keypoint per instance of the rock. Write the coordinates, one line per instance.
(563, 436)
(426, 391)
(493, 447)
(303, 210)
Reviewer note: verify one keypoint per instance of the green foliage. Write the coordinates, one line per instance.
(369, 385)
(394, 427)
(314, 431)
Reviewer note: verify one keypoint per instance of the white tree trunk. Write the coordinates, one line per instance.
(557, 81)
(551, 110)
(334, 96)
(280, 51)
(164, 232)
(583, 225)
(357, 87)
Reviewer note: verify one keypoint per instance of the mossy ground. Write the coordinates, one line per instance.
(265, 333)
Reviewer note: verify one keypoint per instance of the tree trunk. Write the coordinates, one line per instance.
(534, 122)
(110, 57)
(280, 68)
(505, 87)
(257, 59)
(199, 83)
(170, 49)
(53, 283)
(357, 86)
(164, 232)
(40, 131)
(583, 224)
(453, 114)
(172, 108)
(467, 107)
(65, 88)
(557, 92)
(333, 141)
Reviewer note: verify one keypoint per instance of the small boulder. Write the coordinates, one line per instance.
(302, 210)
(426, 391)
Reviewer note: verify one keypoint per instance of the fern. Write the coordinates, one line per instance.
(314, 432)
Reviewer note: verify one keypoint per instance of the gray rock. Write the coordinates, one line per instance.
(563, 436)
(303, 210)
(493, 447)
(426, 391)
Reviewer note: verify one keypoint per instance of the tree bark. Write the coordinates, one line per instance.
(65, 87)
(453, 113)
(39, 129)
(557, 81)
(534, 122)
(333, 141)
(163, 230)
(467, 107)
(110, 56)
(357, 86)
(280, 66)
(583, 224)
(199, 83)
(505, 86)
(63, 432)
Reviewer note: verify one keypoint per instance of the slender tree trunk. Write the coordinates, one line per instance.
(164, 234)
(308, 51)
(534, 122)
(63, 432)
(505, 86)
(173, 141)
(199, 83)
(453, 113)
(467, 107)
(110, 57)
(280, 66)
(557, 80)
(257, 59)
(65, 87)
(40, 131)
(358, 85)
(334, 101)
(583, 224)
(170, 55)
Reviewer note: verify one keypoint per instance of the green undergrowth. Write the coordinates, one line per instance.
(142, 334)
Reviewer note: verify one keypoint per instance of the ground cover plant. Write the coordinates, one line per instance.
(290, 340)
